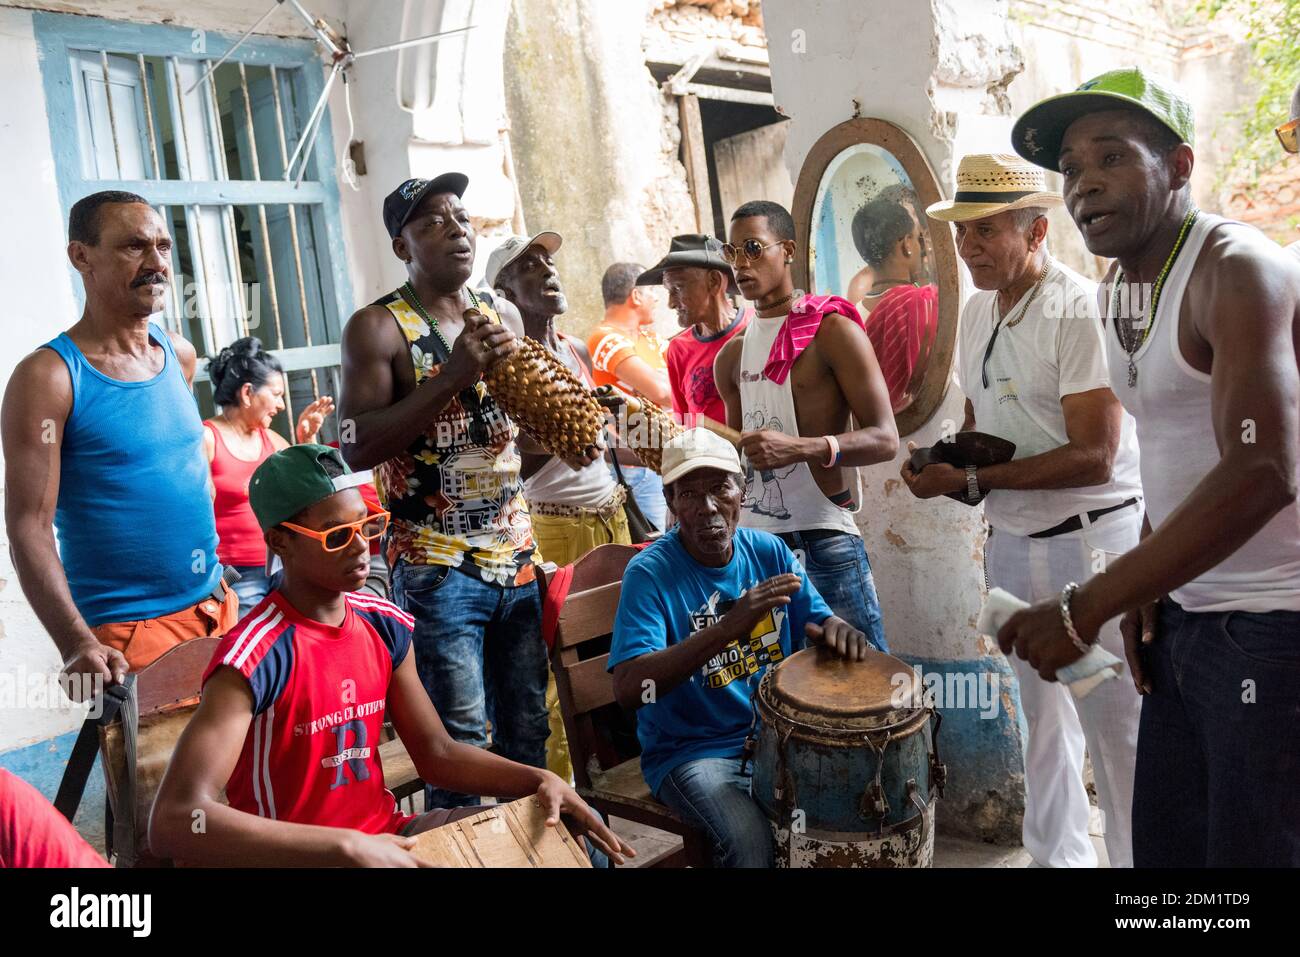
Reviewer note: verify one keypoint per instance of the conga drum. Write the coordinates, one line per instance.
(846, 766)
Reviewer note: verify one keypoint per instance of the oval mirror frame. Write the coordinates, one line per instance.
(887, 136)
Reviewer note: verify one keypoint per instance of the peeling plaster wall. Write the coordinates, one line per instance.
(594, 160)
(934, 72)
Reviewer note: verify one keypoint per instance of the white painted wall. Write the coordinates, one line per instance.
(825, 54)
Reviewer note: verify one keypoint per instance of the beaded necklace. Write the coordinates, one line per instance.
(408, 293)
(1129, 339)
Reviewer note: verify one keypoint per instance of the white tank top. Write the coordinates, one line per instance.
(785, 499)
(1171, 403)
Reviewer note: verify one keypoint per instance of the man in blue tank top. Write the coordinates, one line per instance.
(103, 448)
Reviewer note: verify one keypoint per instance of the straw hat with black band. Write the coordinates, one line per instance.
(992, 183)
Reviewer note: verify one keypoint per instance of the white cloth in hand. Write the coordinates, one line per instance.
(1082, 676)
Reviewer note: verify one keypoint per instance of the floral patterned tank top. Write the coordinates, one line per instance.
(455, 494)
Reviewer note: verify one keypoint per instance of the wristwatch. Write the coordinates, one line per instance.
(972, 485)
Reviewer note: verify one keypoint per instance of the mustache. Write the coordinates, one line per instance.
(149, 278)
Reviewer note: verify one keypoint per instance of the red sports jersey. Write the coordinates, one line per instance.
(319, 692)
(34, 834)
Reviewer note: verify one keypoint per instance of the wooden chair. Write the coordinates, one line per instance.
(166, 694)
(606, 758)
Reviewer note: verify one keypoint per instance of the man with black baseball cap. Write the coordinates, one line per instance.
(415, 409)
(700, 286)
(1201, 318)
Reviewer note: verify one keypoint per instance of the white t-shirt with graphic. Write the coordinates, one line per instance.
(1054, 351)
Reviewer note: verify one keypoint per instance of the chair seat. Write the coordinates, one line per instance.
(400, 775)
(624, 784)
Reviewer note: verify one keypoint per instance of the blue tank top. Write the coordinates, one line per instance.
(134, 518)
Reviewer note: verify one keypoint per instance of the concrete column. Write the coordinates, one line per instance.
(594, 157)
(937, 70)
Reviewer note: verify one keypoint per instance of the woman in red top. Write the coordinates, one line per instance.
(248, 387)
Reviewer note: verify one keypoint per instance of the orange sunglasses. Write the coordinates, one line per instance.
(340, 536)
(1289, 134)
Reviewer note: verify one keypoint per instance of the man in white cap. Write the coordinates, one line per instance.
(574, 506)
(702, 613)
(1032, 364)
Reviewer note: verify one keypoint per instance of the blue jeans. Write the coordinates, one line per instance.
(648, 490)
(837, 566)
(466, 628)
(1218, 754)
(252, 587)
(713, 795)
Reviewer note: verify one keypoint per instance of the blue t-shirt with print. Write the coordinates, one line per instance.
(666, 597)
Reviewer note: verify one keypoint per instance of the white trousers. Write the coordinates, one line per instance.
(1105, 722)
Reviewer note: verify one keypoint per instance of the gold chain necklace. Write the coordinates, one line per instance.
(1038, 284)
(1129, 339)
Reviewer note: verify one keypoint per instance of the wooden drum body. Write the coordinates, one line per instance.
(847, 766)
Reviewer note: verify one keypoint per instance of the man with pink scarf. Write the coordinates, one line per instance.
(791, 381)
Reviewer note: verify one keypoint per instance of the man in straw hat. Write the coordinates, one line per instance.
(1033, 366)
(700, 286)
(1202, 317)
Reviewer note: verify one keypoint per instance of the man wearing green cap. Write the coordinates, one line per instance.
(1202, 321)
(296, 695)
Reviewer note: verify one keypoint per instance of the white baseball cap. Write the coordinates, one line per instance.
(513, 248)
(698, 449)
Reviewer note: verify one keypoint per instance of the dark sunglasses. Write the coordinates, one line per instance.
(480, 433)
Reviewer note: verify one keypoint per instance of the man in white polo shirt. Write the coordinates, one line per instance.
(1032, 364)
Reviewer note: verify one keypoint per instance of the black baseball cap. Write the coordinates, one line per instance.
(401, 202)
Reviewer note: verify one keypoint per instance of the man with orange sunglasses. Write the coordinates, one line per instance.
(295, 696)
(1289, 136)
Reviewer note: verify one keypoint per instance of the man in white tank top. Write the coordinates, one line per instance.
(1032, 364)
(574, 506)
(791, 380)
(1202, 324)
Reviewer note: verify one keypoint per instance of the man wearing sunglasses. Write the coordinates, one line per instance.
(295, 698)
(805, 365)
(1032, 363)
(415, 409)
(1288, 135)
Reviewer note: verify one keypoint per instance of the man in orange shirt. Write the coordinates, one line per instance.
(624, 348)
(625, 352)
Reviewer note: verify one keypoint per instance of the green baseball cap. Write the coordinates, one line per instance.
(1038, 133)
(296, 478)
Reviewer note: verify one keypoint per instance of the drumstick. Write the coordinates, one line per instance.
(717, 428)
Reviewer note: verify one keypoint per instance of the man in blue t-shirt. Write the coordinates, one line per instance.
(703, 612)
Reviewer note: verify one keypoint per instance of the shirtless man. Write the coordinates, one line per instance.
(810, 389)
(1211, 595)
